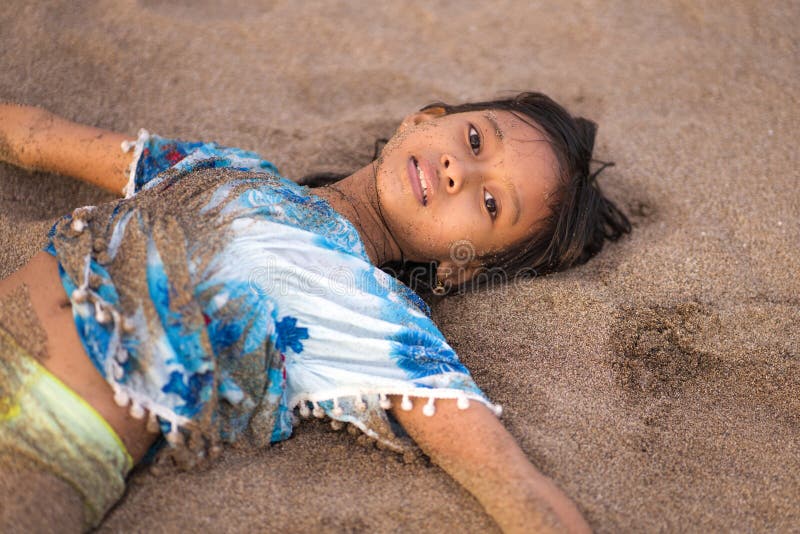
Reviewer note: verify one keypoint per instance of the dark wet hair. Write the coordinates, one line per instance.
(581, 217)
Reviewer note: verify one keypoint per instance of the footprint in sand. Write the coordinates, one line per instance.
(656, 348)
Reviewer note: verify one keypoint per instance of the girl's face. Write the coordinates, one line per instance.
(455, 187)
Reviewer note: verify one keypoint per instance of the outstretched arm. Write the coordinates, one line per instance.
(36, 139)
(475, 449)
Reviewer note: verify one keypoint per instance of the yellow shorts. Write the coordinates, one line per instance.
(44, 422)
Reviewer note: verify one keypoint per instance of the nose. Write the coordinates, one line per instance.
(454, 173)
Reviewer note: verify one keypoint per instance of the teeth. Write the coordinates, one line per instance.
(422, 182)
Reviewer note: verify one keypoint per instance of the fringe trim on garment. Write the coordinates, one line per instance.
(309, 404)
(137, 404)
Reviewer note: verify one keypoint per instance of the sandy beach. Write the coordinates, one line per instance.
(658, 385)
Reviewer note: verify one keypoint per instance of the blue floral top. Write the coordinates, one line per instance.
(223, 298)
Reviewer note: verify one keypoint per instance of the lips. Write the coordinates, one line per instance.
(414, 180)
(419, 175)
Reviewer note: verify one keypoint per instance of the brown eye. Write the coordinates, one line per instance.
(474, 140)
(490, 203)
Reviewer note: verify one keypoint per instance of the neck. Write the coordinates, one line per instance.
(356, 198)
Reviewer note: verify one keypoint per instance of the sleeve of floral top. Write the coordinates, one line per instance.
(154, 154)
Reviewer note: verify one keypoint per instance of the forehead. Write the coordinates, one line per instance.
(521, 137)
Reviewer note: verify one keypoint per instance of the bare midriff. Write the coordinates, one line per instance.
(66, 357)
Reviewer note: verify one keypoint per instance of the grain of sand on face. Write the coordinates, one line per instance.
(657, 384)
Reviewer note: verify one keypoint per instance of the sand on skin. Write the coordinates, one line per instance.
(657, 384)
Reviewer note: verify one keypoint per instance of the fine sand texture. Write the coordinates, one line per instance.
(658, 385)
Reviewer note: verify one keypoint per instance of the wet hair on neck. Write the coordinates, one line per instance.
(581, 217)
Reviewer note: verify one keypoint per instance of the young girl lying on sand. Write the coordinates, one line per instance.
(217, 301)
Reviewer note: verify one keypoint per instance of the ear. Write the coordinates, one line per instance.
(453, 274)
(421, 116)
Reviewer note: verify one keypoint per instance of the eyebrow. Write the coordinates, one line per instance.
(512, 190)
(515, 201)
(497, 131)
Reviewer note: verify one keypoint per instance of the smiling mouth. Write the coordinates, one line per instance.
(422, 182)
